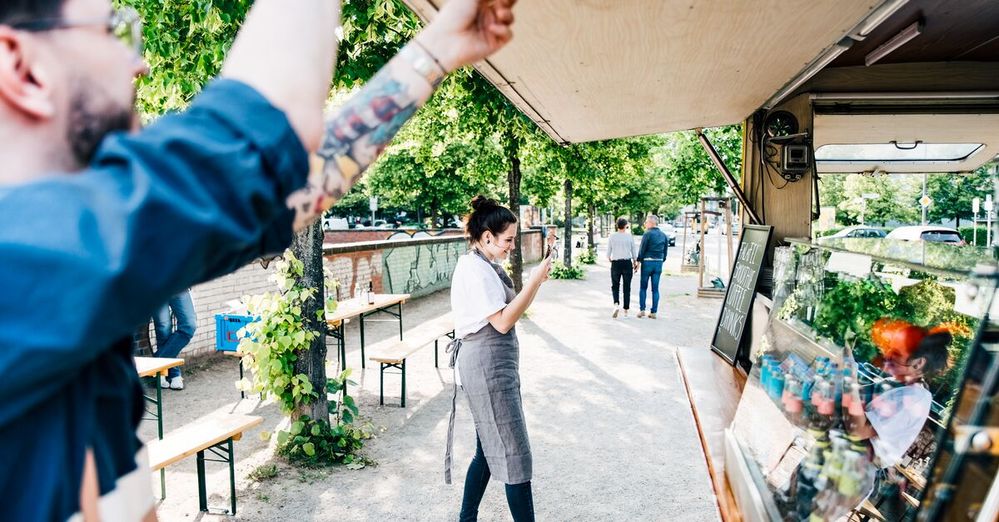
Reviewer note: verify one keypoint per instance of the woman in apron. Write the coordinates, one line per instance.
(486, 357)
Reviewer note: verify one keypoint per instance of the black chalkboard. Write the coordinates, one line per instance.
(740, 291)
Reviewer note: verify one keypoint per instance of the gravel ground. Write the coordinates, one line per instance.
(610, 425)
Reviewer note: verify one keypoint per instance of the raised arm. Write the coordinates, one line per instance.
(465, 31)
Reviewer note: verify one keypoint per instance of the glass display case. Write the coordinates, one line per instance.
(855, 376)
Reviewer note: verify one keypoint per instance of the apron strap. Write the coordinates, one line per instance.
(453, 348)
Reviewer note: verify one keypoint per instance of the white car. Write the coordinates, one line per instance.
(935, 234)
(855, 231)
(670, 232)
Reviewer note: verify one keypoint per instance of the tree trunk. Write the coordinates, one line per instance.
(307, 245)
(433, 214)
(957, 222)
(568, 223)
(513, 179)
(589, 219)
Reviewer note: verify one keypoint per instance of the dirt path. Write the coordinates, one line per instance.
(610, 425)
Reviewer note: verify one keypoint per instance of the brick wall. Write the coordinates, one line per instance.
(417, 266)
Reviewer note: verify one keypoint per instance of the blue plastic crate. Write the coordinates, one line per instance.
(227, 331)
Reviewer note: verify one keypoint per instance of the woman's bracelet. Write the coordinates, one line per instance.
(426, 64)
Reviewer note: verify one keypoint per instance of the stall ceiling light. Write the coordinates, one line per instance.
(900, 39)
(880, 15)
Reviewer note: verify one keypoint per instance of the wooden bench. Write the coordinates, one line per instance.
(393, 354)
(215, 434)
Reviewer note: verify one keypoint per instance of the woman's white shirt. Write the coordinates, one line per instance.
(476, 294)
(898, 416)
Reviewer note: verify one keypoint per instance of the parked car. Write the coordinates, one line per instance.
(335, 223)
(670, 232)
(856, 231)
(935, 234)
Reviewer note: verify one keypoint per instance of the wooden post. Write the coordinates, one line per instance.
(728, 233)
(704, 252)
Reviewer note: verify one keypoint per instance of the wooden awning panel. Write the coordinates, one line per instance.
(587, 70)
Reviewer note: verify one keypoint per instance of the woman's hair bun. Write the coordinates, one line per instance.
(481, 202)
(487, 215)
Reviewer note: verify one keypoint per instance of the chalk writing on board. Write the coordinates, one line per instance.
(740, 291)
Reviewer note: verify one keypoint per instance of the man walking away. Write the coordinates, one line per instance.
(651, 255)
(621, 253)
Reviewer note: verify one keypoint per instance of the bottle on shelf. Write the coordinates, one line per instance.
(371, 293)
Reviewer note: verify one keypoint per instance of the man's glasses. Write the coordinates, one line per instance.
(124, 24)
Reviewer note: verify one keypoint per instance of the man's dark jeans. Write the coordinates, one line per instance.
(621, 268)
(518, 496)
(170, 342)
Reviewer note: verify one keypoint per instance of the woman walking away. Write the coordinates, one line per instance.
(622, 254)
(485, 356)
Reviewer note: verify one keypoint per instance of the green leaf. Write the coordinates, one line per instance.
(309, 449)
(296, 427)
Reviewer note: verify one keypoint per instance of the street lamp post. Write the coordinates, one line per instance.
(988, 220)
(863, 204)
(976, 204)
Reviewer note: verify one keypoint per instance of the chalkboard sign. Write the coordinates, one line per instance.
(741, 291)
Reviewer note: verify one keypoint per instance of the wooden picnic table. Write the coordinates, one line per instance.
(154, 367)
(360, 308)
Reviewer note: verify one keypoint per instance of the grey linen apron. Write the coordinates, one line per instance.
(490, 378)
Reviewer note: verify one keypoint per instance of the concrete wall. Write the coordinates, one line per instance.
(417, 266)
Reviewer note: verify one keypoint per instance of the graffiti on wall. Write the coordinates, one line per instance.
(420, 269)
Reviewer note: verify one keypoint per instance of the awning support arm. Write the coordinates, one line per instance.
(729, 178)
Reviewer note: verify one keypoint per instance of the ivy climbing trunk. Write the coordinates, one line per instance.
(513, 179)
(307, 245)
(567, 251)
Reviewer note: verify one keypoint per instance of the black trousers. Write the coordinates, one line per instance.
(621, 268)
(518, 496)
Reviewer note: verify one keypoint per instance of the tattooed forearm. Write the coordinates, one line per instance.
(358, 132)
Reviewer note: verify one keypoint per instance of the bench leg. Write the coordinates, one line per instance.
(232, 477)
(202, 493)
(242, 394)
(400, 320)
(436, 363)
(381, 385)
(404, 383)
(225, 453)
(362, 341)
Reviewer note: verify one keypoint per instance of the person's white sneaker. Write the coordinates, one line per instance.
(652, 316)
(641, 314)
(616, 311)
(164, 383)
(177, 383)
(626, 313)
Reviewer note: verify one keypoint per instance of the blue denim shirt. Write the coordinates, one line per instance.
(86, 257)
(654, 245)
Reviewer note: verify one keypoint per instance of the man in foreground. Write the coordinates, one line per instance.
(100, 227)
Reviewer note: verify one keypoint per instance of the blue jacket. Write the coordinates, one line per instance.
(86, 257)
(654, 246)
